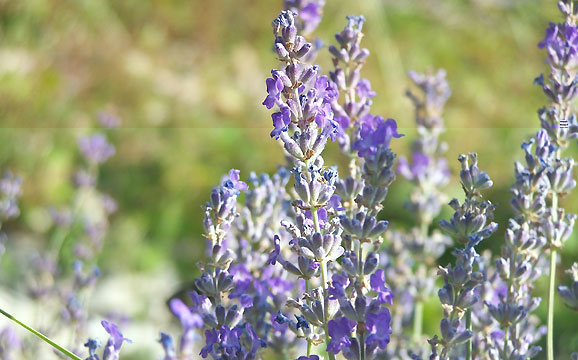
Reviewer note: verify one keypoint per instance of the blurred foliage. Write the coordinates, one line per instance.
(187, 80)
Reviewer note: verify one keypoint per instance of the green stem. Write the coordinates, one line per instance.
(551, 292)
(469, 327)
(309, 343)
(315, 219)
(417, 321)
(41, 336)
(552, 283)
(323, 266)
(362, 345)
(505, 352)
(418, 306)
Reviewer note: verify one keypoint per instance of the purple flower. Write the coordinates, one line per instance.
(312, 357)
(324, 117)
(278, 285)
(108, 120)
(246, 300)
(211, 338)
(310, 16)
(420, 163)
(169, 347)
(309, 13)
(187, 318)
(274, 88)
(281, 121)
(200, 302)
(10, 185)
(280, 318)
(251, 341)
(234, 183)
(375, 132)
(112, 349)
(92, 345)
(363, 89)
(338, 284)
(335, 203)
(325, 90)
(378, 328)
(230, 337)
(322, 217)
(241, 287)
(339, 330)
(96, 148)
(377, 282)
(301, 322)
(276, 253)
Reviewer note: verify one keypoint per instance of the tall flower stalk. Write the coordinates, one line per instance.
(519, 266)
(468, 226)
(413, 255)
(558, 119)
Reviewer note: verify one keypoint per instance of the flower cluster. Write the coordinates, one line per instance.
(227, 334)
(355, 97)
(561, 44)
(412, 255)
(65, 272)
(9, 193)
(309, 14)
(468, 226)
(558, 120)
(112, 348)
(327, 240)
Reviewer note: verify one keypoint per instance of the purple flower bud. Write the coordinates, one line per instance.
(168, 346)
(96, 148)
(112, 348)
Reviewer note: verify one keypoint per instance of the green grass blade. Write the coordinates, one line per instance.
(41, 336)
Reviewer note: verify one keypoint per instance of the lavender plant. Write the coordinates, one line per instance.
(468, 226)
(59, 276)
(412, 256)
(558, 119)
(297, 262)
(519, 266)
(331, 314)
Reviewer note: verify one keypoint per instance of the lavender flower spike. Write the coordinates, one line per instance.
(413, 254)
(558, 119)
(459, 294)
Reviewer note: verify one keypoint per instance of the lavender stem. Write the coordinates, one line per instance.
(551, 291)
(469, 327)
(417, 320)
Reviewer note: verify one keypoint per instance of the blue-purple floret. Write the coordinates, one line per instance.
(96, 148)
(375, 132)
(112, 348)
(340, 330)
(114, 343)
(308, 13)
(10, 191)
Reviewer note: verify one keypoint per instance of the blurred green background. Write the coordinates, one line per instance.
(187, 80)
